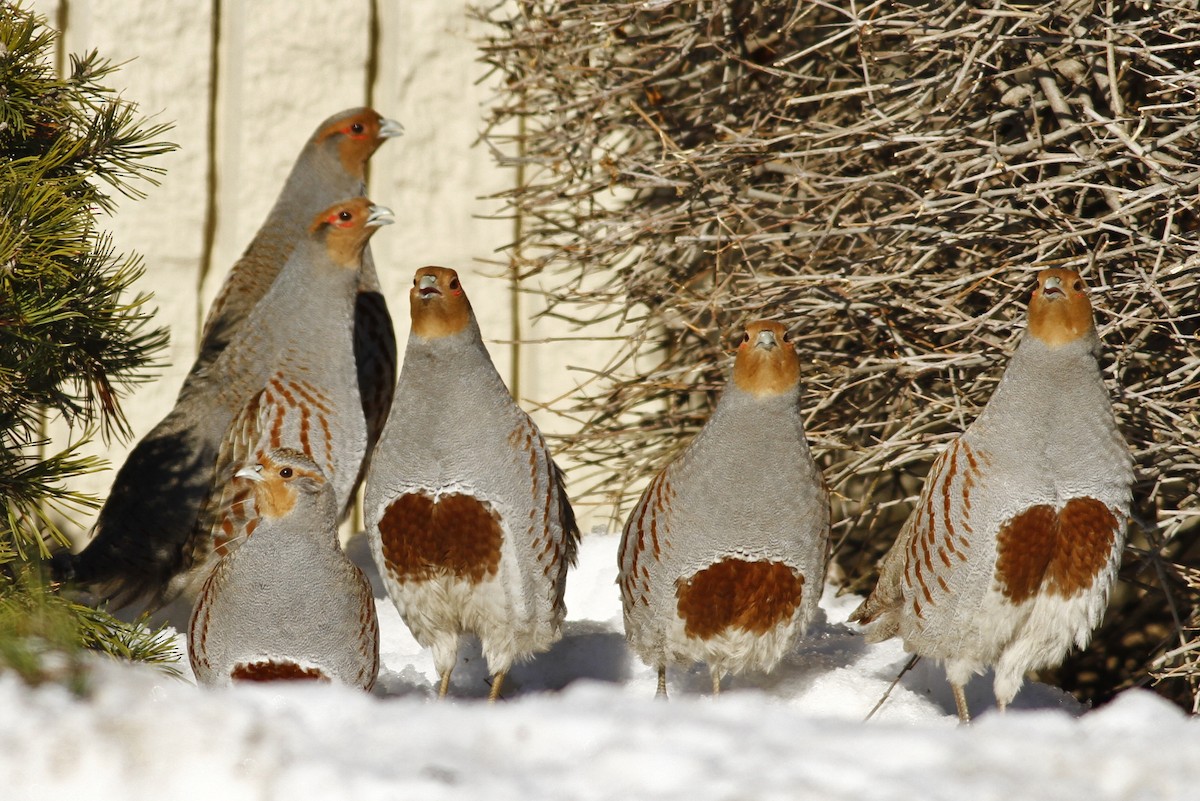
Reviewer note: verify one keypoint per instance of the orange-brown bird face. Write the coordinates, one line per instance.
(438, 303)
(347, 226)
(1060, 311)
(357, 136)
(278, 478)
(766, 362)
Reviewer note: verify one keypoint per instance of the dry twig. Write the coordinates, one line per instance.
(885, 177)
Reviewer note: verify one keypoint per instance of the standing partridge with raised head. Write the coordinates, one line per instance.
(468, 520)
(288, 379)
(286, 603)
(1008, 558)
(723, 559)
(330, 167)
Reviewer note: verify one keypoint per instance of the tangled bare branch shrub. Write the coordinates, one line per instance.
(886, 178)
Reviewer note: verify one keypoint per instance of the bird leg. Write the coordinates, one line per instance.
(716, 681)
(960, 701)
(444, 685)
(662, 684)
(497, 682)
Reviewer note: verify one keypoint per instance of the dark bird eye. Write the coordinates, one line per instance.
(285, 472)
(357, 128)
(787, 337)
(746, 337)
(454, 283)
(345, 216)
(1078, 285)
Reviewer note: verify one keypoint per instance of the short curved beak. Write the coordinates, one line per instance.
(766, 339)
(428, 287)
(379, 215)
(389, 129)
(1053, 287)
(251, 473)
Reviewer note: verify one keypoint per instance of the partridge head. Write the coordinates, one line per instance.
(766, 362)
(353, 136)
(1060, 311)
(729, 572)
(346, 227)
(287, 603)
(1008, 557)
(438, 304)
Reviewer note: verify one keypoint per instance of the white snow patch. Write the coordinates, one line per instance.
(580, 722)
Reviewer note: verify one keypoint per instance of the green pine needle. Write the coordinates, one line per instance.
(75, 334)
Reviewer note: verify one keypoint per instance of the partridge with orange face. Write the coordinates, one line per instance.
(330, 167)
(468, 519)
(289, 380)
(723, 559)
(286, 603)
(1008, 558)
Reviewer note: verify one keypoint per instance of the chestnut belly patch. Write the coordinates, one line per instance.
(1060, 552)
(456, 535)
(752, 596)
(270, 670)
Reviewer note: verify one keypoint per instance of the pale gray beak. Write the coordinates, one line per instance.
(379, 215)
(1054, 286)
(252, 473)
(766, 339)
(390, 128)
(427, 286)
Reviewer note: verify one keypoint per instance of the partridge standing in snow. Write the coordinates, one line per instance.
(288, 379)
(1008, 558)
(723, 559)
(330, 167)
(286, 603)
(468, 520)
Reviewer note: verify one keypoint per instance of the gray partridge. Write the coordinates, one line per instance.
(286, 603)
(723, 559)
(1008, 558)
(468, 520)
(288, 379)
(330, 167)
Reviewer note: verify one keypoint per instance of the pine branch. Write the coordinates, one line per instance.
(75, 335)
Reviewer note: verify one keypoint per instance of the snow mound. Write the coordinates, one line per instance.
(580, 722)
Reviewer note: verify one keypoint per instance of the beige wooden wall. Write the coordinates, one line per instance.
(245, 84)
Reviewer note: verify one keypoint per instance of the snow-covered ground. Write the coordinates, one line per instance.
(580, 722)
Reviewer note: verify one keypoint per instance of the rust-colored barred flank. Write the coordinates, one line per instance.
(270, 670)
(737, 594)
(1060, 551)
(456, 535)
